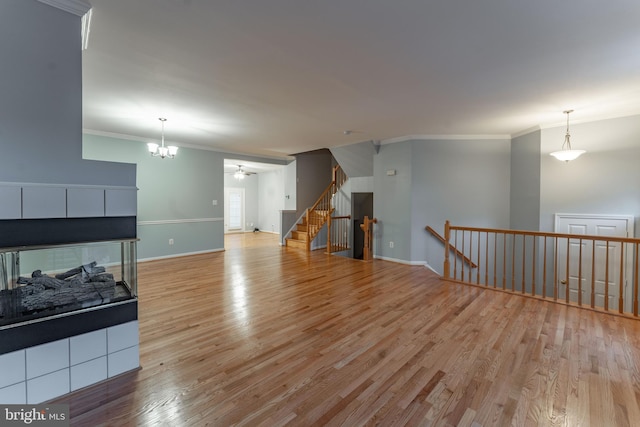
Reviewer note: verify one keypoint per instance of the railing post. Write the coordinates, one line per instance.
(308, 230)
(447, 236)
(329, 248)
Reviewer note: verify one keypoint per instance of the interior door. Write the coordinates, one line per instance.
(233, 210)
(605, 270)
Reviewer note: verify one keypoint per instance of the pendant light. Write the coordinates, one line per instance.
(160, 150)
(567, 153)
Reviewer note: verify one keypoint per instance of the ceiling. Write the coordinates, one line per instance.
(231, 166)
(279, 77)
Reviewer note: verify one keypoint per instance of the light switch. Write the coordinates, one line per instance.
(215, 203)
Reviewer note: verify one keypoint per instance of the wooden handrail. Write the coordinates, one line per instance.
(559, 267)
(451, 247)
(324, 204)
(547, 234)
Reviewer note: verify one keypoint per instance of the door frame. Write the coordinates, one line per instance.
(625, 287)
(228, 190)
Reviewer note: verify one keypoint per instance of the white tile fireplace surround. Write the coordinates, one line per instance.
(43, 372)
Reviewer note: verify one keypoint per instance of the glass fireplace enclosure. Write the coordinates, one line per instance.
(42, 281)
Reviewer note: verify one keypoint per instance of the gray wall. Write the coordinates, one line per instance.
(355, 160)
(392, 201)
(271, 188)
(525, 182)
(175, 197)
(463, 181)
(290, 186)
(605, 180)
(313, 175)
(466, 182)
(41, 102)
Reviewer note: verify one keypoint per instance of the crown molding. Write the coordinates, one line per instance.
(441, 137)
(286, 158)
(526, 131)
(76, 7)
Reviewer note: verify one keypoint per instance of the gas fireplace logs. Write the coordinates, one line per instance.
(85, 286)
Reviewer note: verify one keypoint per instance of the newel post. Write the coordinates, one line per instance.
(447, 236)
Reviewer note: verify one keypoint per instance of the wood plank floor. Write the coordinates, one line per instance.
(262, 335)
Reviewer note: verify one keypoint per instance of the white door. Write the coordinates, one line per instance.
(581, 278)
(233, 210)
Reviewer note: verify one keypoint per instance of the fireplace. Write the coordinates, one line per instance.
(43, 281)
(68, 304)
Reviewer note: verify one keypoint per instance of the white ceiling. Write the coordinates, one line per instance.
(279, 77)
(231, 166)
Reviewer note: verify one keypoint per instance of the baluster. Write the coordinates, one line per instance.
(513, 262)
(462, 261)
(606, 280)
(455, 258)
(495, 259)
(593, 274)
(479, 260)
(470, 253)
(504, 261)
(635, 282)
(544, 269)
(566, 275)
(486, 259)
(621, 282)
(555, 271)
(533, 268)
(580, 274)
(524, 263)
(447, 236)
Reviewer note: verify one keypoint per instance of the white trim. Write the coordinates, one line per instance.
(441, 137)
(426, 264)
(525, 132)
(179, 221)
(181, 255)
(285, 158)
(44, 184)
(76, 7)
(401, 261)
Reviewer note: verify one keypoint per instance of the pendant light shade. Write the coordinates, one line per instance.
(160, 150)
(567, 154)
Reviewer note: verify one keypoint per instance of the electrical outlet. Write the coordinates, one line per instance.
(391, 245)
(170, 241)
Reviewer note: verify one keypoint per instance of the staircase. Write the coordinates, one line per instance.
(316, 216)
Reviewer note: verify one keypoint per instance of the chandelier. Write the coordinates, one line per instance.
(160, 150)
(566, 153)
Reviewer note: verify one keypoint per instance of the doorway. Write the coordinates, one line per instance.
(361, 206)
(603, 275)
(233, 210)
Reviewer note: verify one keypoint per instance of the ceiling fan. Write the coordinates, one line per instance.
(241, 173)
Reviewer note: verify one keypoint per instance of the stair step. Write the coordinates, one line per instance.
(302, 228)
(300, 235)
(294, 243)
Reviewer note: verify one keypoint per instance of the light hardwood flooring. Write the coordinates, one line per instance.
(263, 335)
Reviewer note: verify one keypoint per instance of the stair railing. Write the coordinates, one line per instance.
(453, 248)
(320, 213)
(600, 273)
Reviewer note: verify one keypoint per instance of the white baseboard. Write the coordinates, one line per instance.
(401, 261)
(426, 264)
(180, 255)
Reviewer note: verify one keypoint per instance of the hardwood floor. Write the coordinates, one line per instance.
(269, 335)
